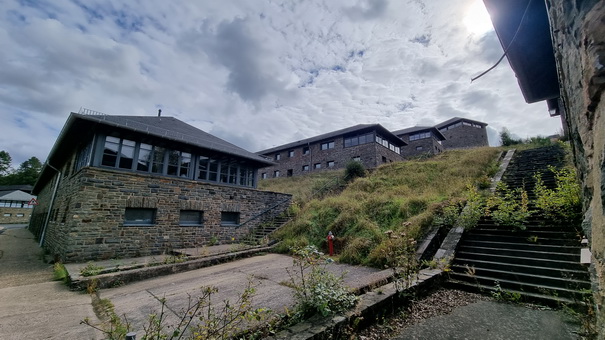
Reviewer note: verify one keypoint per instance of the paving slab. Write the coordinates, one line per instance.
(495, 321)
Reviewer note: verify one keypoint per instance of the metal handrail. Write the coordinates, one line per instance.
(263, 212)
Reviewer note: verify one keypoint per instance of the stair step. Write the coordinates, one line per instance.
(560, 282)
(527, 233)
(522, 260)
(576, 274)
(525, 246)
(535, 254)
(521, 239)
(552, 301)
(542, 289)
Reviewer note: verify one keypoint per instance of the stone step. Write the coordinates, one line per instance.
(567, 235)
(536, 279)
(523, 269)
(525, 246)
(518, 238)
(514, 285)
(539, 262)
(535, 254)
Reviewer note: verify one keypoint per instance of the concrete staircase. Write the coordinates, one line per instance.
(538, 264)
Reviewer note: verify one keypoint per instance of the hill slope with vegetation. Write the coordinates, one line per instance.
(402, 198)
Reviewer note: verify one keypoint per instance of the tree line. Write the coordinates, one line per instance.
(26, 173)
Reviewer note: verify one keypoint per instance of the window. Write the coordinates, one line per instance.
(179, 163)
(306, 150)
(289, 172)
(229, 218)
(305, 168)
(421, 135)
(264, 175)
(317, 166)
(277, 156)
(384, 159)
(144, 159)
(20, 215)
(118, 152)
(157, 165)
(7, 215)
(276, 173)
(330, 164)
(418, 148)
(359, 140)
(291, 153)
(139, 216)
(357, 159)
(327, 145)
(191, 218)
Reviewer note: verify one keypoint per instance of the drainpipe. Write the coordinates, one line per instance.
(50, 206)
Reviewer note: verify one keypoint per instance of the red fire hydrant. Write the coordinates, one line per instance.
(330, 243)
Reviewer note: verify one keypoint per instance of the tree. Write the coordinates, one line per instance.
(27, 173)
(506, 139)
(5, 163)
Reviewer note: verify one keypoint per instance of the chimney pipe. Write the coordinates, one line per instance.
(159, 112)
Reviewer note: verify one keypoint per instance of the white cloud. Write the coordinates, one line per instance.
(257, 74)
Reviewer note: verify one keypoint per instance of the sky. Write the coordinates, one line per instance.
(255, 73)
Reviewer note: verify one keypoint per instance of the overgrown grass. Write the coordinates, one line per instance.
(398, 197)
(303, 188)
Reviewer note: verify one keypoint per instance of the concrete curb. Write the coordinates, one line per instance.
(372, 306)
(140, 272)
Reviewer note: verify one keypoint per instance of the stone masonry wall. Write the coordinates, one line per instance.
(14, 217)
(87, 220)
(429, 146)
(465, 137)
(371, 156)
(578, 31)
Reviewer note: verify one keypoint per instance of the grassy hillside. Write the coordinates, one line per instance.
(398, 197)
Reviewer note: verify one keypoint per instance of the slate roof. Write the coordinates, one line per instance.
(414, 129)
(22, 187)
(360, 127)
(15, 195)
(455, 119)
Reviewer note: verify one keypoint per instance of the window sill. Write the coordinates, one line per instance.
(191, 225)
(137, 225)
(229, 225)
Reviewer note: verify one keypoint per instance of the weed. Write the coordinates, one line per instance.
(353, 170)
(401, 258)
(59, 272)
(562, 204)
(509, 207)
(472, 212)
(441, 264)
(172, 259)
(505, 296)
(91, 269)
(316, 290)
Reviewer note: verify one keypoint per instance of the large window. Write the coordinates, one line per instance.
(359, 139)
(421, 135)
(191, 218)
(139, 216)
(327, 145)
(384, 142)
(121, 153)
(229, 218)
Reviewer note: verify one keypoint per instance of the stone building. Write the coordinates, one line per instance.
(126, 186)
(461, 133)
(422, 140)
(16, 204)
(558, 56)
(370, 144)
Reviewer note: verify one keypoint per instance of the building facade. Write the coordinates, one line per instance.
(16, 204)
(369, 144)
(461, 133)
(421, 140)
(126, 186)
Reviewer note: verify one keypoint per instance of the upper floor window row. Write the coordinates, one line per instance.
(455, 125)
(421, 135)
(132, 155)
(359, 139)
(327, 145)
(384, 142)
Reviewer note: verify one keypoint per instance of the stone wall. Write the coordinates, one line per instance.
(429, 146)
(371, 156)
(578, 31)
(465, 136)
(87, 219)
(14, 215)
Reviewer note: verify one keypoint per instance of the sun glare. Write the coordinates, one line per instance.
(476, 19)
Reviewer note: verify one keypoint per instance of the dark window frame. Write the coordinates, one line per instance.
(132, 221)
(232, 221)
(197, 222)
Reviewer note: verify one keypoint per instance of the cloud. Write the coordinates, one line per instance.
(367, 10)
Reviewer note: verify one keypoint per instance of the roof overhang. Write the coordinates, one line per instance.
(531, 54)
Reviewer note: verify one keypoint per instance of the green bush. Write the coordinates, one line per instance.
(353, 170)
(473, 210)
(509, 207)
(563, 203)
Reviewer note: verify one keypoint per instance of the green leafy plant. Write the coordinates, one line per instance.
(472, 212)
(91, 269)
(509, 207)
(59, 272)
(316, 290)
(400, 255)
(353, 170)
(563, 203)
(505, 296)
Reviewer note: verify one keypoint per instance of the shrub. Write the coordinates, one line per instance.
(561, 204)
(91, 269)
(473, 210)
(353, 170)
(316, 290)
(509, 207)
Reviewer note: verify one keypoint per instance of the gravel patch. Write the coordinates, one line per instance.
(441, 302)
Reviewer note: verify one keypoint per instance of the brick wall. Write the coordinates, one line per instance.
(579, 39)
(371, 156)
(464, 137)
(87, 220)
(429, 146)
(14, 217)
